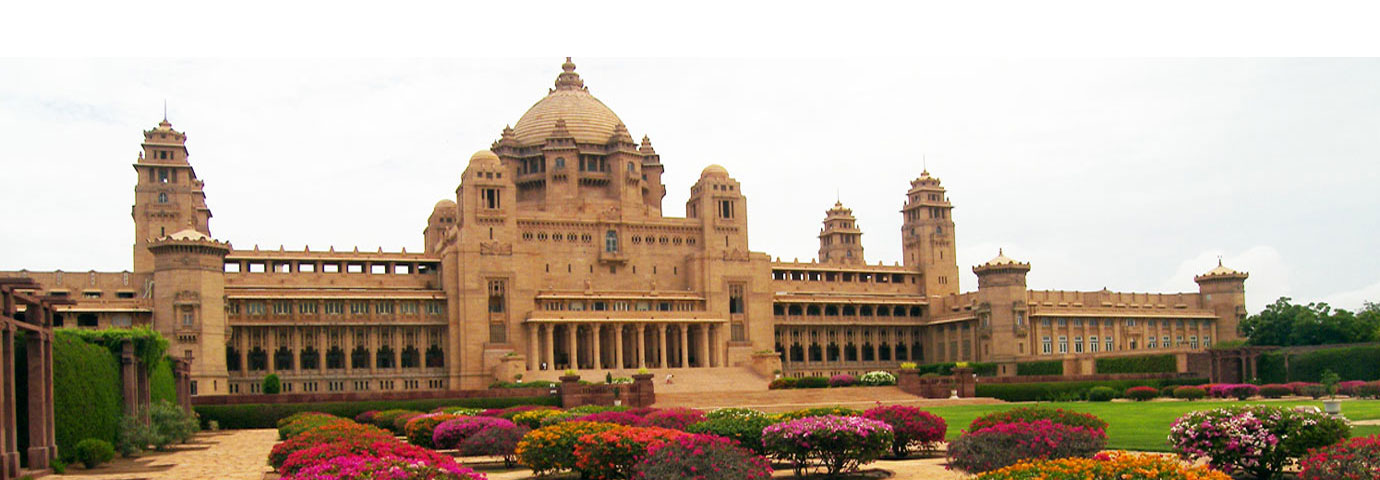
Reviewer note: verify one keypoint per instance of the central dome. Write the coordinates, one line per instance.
(586, 118)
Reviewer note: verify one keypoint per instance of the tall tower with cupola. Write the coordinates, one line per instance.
(168, 197)
(927, 235)
(840, 241)
(1223, 290)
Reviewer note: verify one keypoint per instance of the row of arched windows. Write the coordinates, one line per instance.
(309, 358)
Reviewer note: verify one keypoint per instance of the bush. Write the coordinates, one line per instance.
(611, 454)
(1111, 465)
(366, 417)
(1167, 391)
(171, 424)
(162, 385)
(551, 448)
(1259, 440)
(266, 415)
(782, 383)
(134, 436)
(733, 412)
(511, 412)
(910, 427)
(1367, 390)
(399, 426)
(386, 418)
(1047, 391)
(450, 433)
(831, 444)
(324, 452)
(333, 433)
(945, 369)
(1033, 414)
(1140, 364)
(1240, 391)
(496, 441)
(1047, 367)
(1189, 393)
(620, 418)
(675, 418)
(587, 409)
(1141, 394)
(746, 430)
(420, 429)
(362, 467)
(842, 380)
(1004, 444)
(812, 382)
(698, 457)
(456, 410)
(87, 400)
(92, 452)
(546, 384)
(877, 378)
(817, 412)
(299, 423)
(1105, 394)
(1275, 390)
(532, 418)
(272, 385)
(1356, 459)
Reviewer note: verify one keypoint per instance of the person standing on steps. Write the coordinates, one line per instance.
(668, 378)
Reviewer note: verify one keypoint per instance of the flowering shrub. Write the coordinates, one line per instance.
(733, 412)
(400, 422)
(1304, 388)
(830, 443)
(1031, 414)
(510, 412)
(320, 453)
(1368, 390)
(366, 417)
(458, 411)
(303, 423)
(302, 416)
(1353, 460)
(911, 427)
(1004, 444)
(1141, 394)
(1349, 387)
(420, 429)
(612, 453)
(1257, 439)
(817, 412)
(451, 432)
(747, 431)
(366, 467)
(620, 418)
(532, 418)
(1240, 391)
(561, 417)
(842, 380)
(588, 409)
(642, 411)
(675, 418)
(331, 433)
(877, 378)
(1275, 390)
(1112, 465)
(1189, 393)
(496, 441)
(700, 457)
(385, 418)
(552, 448)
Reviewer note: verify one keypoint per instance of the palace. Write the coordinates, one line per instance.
(554, 254)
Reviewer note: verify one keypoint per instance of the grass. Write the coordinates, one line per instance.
(1145, 425)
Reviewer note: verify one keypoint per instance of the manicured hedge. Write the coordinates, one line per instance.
(947, 368)
(1141, 364)
(1047, 367)
(1047, 391)
(1270, 367)
(267, 415)
(87, 402)
(162, 385)
(150, 346)
(1350, 363)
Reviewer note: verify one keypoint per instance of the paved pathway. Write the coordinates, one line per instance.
(225, 455)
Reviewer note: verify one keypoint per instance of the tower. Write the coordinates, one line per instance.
(1001, 313)
(167, 195)
(840, 241)
(1223, 290)
(189, 304)
(927, 235)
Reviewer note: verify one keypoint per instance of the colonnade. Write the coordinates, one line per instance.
(624, 345)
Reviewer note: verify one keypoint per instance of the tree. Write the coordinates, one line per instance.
(271, 384)
(1284, 323)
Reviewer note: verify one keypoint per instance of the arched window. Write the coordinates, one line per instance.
(631, 167)
(232, 359)
(385, 357)
(560, 162)
(359, 358)
(335, 358)
(258, 359)
(611, 241)
(162, 198)
(311, 359)
(282, 359)
(411, 357)
(435, 358)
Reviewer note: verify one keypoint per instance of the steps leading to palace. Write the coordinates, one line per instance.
(773, 401)
(683, 380)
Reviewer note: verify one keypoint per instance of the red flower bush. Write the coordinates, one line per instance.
(420, 429)
(842, 380)
(1275, 390)
(1141, 394)
(674, 418)
(451, 433)
(1006, 444)
(620, 418)
(1356, 459)
(1240, 391)
(366, 417)
(380, 448)
(495, 441)
(1367, 390)
(701, 457)
(1031, 414)
(369, 467)
(911, 426)
(1349, 387)
(344, 432)
(612, 454)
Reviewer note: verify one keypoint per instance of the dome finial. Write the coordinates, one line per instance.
(568, 79)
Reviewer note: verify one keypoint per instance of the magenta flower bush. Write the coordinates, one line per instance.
(323, 452)
(911, 427)
(701, 457)
(1240, 391)
(1356, 459)
(830, 443)
(1349, 387)
(620, 418)
(1005, 444)
(674, 418)
(1258, 440)
(495, 441)
(450, 433)
(366, 467)
(842, 380)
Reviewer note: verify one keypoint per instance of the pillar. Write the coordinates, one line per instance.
(876, 346)
(618, 347)
(9, 441)
(662, 343)
(38, 403)
(550, 346)
(533, 346)
(684, 342)
(597, 337)
(804, 348)
(571, 332)
(272, 350)
(704, 346)
(641, 348)
(349, 352)
(129, 379)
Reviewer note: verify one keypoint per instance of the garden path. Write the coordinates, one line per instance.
(223, 455)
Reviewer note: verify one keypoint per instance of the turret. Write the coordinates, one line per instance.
(1001, 312)
(927, 235)
(840, 241)
(189, 304)
(1223, 290)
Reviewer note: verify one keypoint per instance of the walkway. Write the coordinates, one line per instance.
(224, 455)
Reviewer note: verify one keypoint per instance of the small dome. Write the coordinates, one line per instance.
(1221, 270)
(485, 158)
(188, 234)
(1001, 259)
(715, 170)
(445, 204)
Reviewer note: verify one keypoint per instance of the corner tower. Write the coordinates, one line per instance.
(927, 235)
(840, 241)
(167, 195)
(189, 304)
(1223, 290)
(1001, 312)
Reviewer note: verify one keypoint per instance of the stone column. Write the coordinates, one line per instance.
(9, 441)
(662, 344)
(48, 379)
(596, 336)
(39, 404)
(684, 339)
(876, 346)
(704, 346)
(374, 341)
(804, 348)
(349, 352)
(533, 347)
(641, 348)
(550, 330)
(272, 335)
(572, 334)
(129, 379)
(618, 347)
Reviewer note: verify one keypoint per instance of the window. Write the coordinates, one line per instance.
(611, 241)
(1092, 344)
(560, 162)
(489, 198)
(408, 308)
(1151, 343)
(1077, 344)
(188, 318)
(359, 308)
(632, 167)
(255, 308)
(1207, 342)
(1166, 342)
(1044, 322)
(1178, 340)
(1063, 322)
(1110, 344)
(1063, 344)
(308, 308)
(433, 308)
(735, 298)
(335, 308)
(162, 198)
(1193, 342)
(383, 308)
(497, 296)
(282, 307)
(725, 208)
(1130, 322)
(1045, 345)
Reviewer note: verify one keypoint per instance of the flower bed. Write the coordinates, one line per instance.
(877, 378)
(421, 429)
(1239, 391)
(1141, 394)
(346, 450)
(1004, 444)
(701, 457)
(495, 441)
(830, 443)
(369, 467)
(551, 448)
(1112, 465)
(335, 432)
(612, 453)
(817, 412)
(1356, 459)
(1258, 440)
(910, 427)
(323, 452)
(842, 380)
(532, 418)
(620, 418)
(675, 418)
(747, 430)
(450, 433)
(1031, 414)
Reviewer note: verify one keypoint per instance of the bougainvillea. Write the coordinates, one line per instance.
(1189, 393)
(611, 454)
(368, 467)
(532, 418)
(1110, 465)
(911, 427)
(1257, 439)
(842, 380)
(320, 453)
(621, 418)
(552, 448)
(366, 417)
(1141, 394)
(495, 441)
(421, 429)
(1349, 387)
(1004, 444)
(675, 418)
(1240, 391)
(335, 432)
(1030, 414)
(1275, 390)
(816, 412)
(451, 432)
(733, 412)
(701, 457)
(830, 443)
(298, 423)
(384, 419)
(1356, 459)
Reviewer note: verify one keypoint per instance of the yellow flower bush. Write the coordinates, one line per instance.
(532, 418)
(1113, 465)
(552, 448)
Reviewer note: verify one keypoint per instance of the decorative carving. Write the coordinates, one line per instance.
(496, 248)
(736, 255)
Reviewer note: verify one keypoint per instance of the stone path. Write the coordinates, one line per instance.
(225, 455)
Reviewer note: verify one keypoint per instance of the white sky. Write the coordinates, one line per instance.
(1128, 173)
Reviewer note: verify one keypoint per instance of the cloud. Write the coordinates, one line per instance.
(1355, 299)
(1269, 278)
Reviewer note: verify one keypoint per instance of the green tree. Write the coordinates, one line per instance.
(271, 384)
(1284, 323)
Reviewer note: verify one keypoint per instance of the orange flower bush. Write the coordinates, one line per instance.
(1113, 465)
(552, 448)
(613, 453)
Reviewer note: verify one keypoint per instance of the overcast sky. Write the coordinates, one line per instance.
(1130, 174)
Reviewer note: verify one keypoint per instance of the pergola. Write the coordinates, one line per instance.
(36, 321)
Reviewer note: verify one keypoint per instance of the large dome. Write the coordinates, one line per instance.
(586, 118)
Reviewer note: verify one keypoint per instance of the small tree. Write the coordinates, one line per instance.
(272, 385)
(1329, 381)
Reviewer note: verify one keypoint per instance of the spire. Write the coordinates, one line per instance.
(568, 79)
(925, 165)
(165, 110)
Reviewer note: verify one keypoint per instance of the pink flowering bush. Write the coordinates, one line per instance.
(1141, 394)
(321, 453)
(1240, 391)
(1031, 414)
(1258, 440)
(619, 418)
(674, 418)
(829, 443)
(366, 417)
(911, 427)
(1354, 460)
(842, 380)
(1367, 390)
(701, 457)
(422, 428)
(1005, 444)
(368, 467)
(450, 433)
(1349, 387)
(495, 441)
(1275, 390)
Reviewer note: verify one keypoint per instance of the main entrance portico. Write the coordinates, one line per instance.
(605, 344)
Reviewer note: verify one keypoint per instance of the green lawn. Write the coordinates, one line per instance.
(1145, 425)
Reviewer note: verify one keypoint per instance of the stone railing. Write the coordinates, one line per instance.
(962, 383)
(638, 394)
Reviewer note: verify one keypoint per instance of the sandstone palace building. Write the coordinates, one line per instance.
(554, 254)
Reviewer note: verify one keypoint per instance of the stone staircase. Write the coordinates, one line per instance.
(683, 380)
(773, 401)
